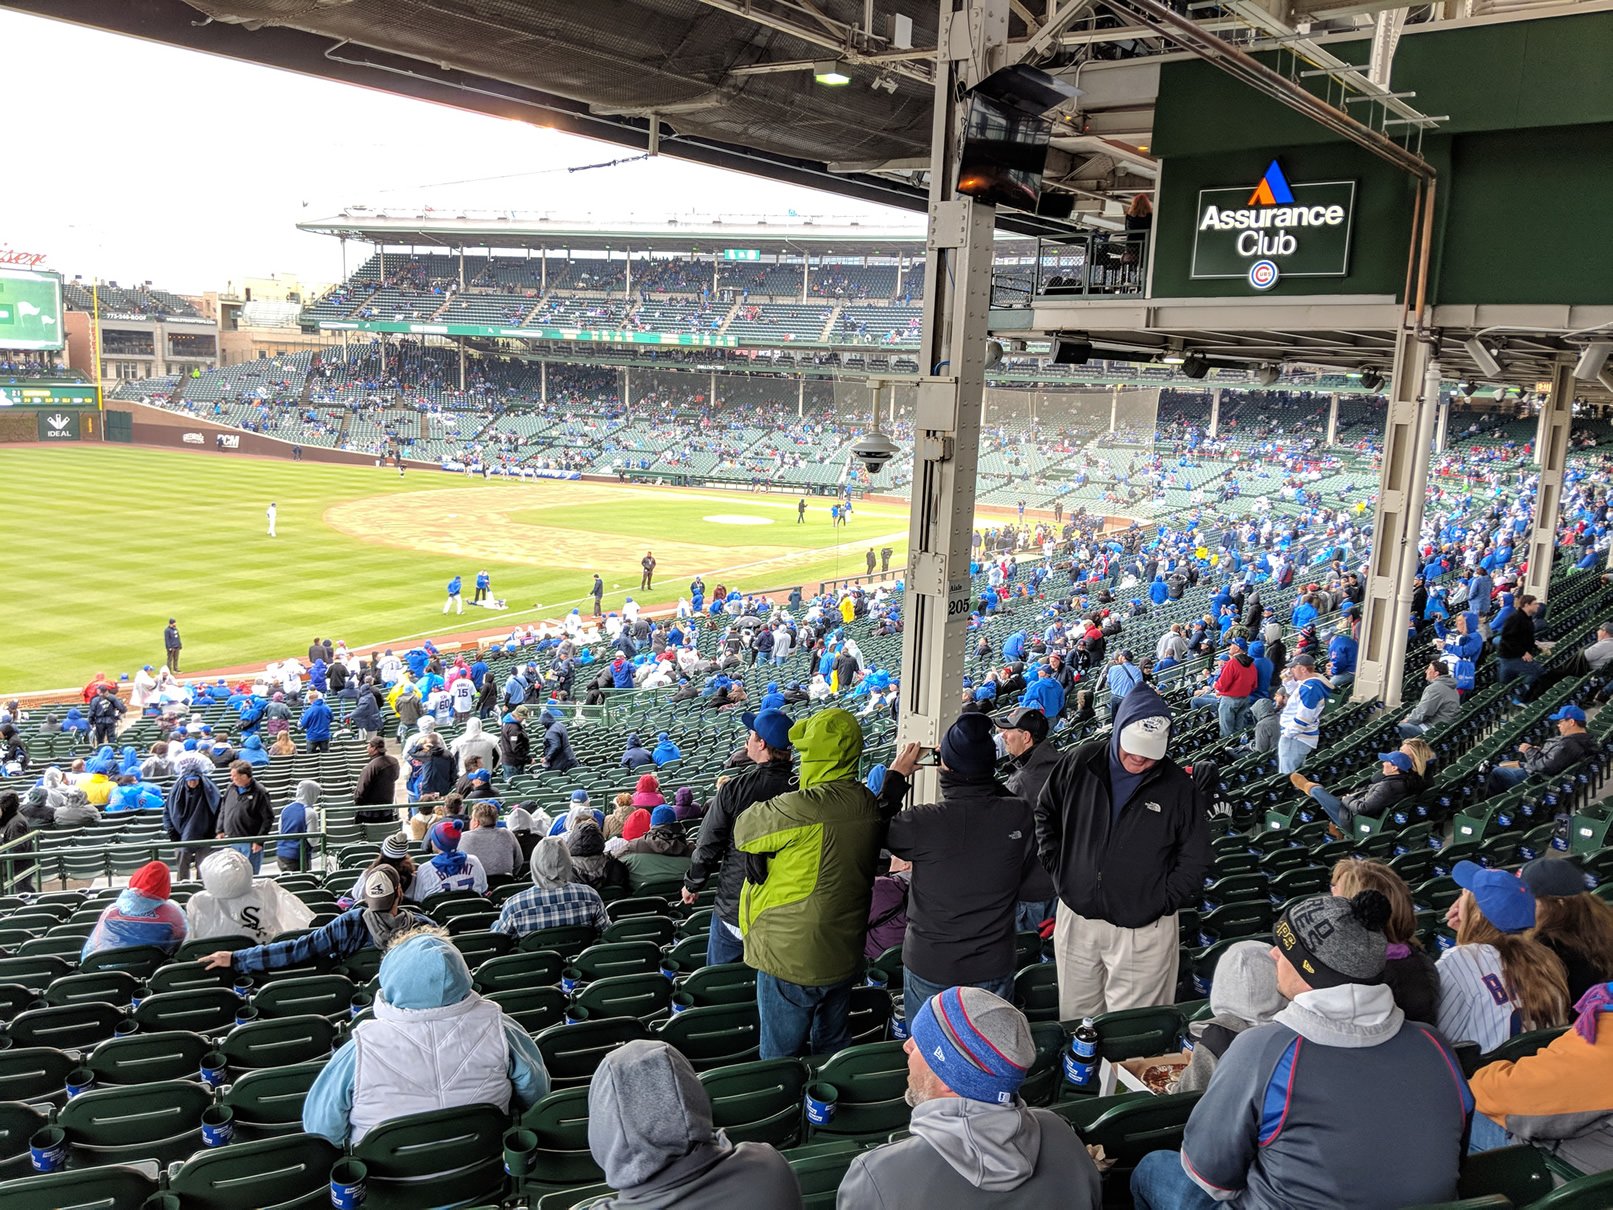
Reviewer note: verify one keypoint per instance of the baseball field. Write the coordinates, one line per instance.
(104, 543)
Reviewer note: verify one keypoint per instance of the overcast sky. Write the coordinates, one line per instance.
(191, 171)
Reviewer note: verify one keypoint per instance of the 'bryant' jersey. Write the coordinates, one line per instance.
(1475, 1003)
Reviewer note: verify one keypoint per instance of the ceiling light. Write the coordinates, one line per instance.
(1195, 365)
(1482, 358)
(833, 72)
(1172, 357)
(1467, 387)
(1267, 375)
(1371, 379)
(1592, 360)
(885, 84)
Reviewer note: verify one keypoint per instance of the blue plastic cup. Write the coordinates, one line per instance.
(876, 978)
(218, 1125)
(576, 1014)
(215, 1069)
(898, 1026)
(244, 986)
(348, 1181)
(80, 1079)
(359, 1004)
(570, 980)
(682, 1001)
(669, 968)
(245, 1014)
(47, 1149)
(820, 1103)
(126, 1027)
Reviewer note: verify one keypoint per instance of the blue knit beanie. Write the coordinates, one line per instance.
(663, 815)
(977, 1044)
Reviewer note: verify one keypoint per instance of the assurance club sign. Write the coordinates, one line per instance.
(1278, 230)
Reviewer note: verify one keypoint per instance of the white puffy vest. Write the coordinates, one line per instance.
(417, 1060)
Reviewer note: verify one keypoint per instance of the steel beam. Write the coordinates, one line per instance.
(1551, 455)
(950, 394)
(1397, 522)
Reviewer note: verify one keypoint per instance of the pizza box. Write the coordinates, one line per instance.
(1127, 1075)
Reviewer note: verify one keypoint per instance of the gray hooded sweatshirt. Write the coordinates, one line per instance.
(974, 1155)
(1242, 994)
(649, 1128)
(1268, 725)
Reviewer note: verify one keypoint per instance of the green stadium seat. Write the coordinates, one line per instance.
(871, 1080)
(414, 1161)
(643, 996)
(18, 1121)
(1587, 1193)
(571, 1053)
(606, 959)
(268, 1103)
(760, 1101)
(726, 983)
(1036, 992)
(68, 1027)
(714, 1036)
(200, 1010)
(290, 1172)
(532, 1008)
(112, 1187)
(124, 1125)
(509, 972)
(322, 995)
(139, 960)
(116, 988)
(1519, 1173)
(560, 1120)
(278, 1041)
(144, 1058)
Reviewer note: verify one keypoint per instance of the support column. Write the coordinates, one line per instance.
(800, 399)
(1443, 424)
(630, 274)
(713, 388)
(543, 271)
(462, 268)
(947, 410)
(1215, 412)
(627, 389)
(1551, 455)
(1397, 522)
(1114, 407)
(461, 343)
(1333, 419)
(901, 271)
(714, 263)
(543, 382)
(806, 264)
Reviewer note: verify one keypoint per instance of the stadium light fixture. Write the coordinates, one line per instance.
(832, 72)
(1371, 379)
(1483, 358)
(1591, 361)
(1268, 374)
(1195, 365)
(1467, 387)
(1173, 356)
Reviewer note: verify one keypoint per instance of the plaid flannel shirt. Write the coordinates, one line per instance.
(334, 941)
(537, 908)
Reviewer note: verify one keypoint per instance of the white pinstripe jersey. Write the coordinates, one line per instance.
(1475, 1004)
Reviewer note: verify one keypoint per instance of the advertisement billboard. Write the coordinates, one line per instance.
(30, 309)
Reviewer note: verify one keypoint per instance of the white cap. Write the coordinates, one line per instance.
(1147, 737)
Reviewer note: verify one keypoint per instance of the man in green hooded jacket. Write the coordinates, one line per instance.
(809, 876)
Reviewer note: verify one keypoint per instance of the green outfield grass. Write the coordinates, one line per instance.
(104, 543)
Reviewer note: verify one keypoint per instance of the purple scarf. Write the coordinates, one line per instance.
(1591, 1006)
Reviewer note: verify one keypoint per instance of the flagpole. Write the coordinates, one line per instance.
(95, 309)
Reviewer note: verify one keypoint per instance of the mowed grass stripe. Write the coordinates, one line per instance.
(105, 542)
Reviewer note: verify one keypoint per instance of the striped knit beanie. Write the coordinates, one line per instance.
(978, 1044)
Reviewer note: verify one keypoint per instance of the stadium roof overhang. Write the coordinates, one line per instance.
(516, 230)
(730, 83)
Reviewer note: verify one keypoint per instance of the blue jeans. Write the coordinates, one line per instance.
(1334, 806)
(1234, 715)
(1504, 777)
(1410, 730)
(722, 946)
(1486, 1135)
(799, 1020)
(916, 991)
(1160, 1183)
(245, 850)
(1526, 671)
(1201, 701)
(1292, 753)
(1029, 914)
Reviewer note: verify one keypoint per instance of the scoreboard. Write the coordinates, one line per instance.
(46, 395)
(30, 309)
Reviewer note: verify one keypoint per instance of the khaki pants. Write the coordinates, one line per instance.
(1104, 968)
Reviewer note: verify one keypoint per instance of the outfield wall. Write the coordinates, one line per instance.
(176, 430)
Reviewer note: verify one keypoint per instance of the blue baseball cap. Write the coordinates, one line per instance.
(1570, 712)
(772, 727)
(1505, 899)
(1398, 759)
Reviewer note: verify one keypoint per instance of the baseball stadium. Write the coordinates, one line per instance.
(1086, 691)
